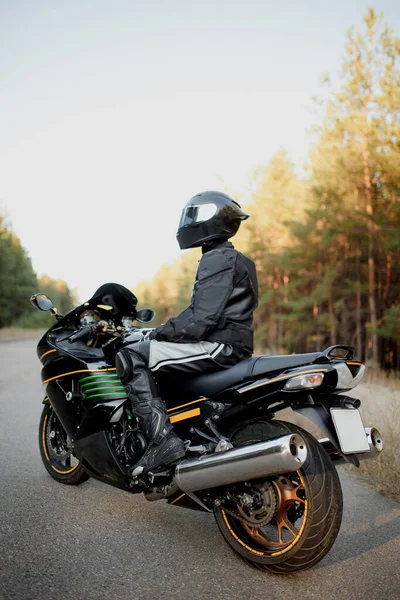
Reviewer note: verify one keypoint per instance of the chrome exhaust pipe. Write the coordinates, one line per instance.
(375, 447)
(281, 455)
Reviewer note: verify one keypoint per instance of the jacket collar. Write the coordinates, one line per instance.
(218, 243)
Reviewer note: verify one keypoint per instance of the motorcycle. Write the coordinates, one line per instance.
(272, 487)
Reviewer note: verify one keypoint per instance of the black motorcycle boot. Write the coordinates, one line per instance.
(165, 447)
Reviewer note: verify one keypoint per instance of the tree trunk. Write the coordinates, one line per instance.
(316, 328)
(388, 277)
(332, 320)
(371, 259)
(359, 348)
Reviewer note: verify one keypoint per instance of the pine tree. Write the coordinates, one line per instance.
(357, 158)
(278, 199)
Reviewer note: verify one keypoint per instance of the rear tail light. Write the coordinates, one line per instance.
(301, 382)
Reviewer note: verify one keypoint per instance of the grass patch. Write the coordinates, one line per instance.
(381, 408)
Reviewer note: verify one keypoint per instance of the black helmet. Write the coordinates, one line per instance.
(208, 216)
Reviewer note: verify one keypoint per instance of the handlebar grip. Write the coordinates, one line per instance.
(84, 332)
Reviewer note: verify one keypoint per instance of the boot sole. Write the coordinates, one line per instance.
(171, 459)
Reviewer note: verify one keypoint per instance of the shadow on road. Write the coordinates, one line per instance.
(362, 537)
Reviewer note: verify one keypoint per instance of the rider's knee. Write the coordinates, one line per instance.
(124, 366)
(128, 359)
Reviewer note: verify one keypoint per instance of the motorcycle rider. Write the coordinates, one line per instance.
(213, 333)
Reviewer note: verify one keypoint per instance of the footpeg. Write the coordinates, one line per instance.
(137, 472)
(160, 478)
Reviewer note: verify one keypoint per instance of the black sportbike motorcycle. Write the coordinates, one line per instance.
(272, 487)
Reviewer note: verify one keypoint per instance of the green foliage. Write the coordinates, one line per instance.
(17, 278)
(391, 324)
(18, 282)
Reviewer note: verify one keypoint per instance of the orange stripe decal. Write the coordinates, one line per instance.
(46, 353)
(43, 438)
(73, 373)
(188, 404)
(177, 499)
(238, 538)
(185, 415)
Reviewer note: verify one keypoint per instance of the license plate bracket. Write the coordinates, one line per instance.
(350, 430)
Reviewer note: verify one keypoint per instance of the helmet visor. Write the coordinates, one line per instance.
(196, 213)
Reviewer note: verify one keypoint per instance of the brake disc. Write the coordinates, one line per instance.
(53, 439)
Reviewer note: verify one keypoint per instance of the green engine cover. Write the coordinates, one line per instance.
(106, 386)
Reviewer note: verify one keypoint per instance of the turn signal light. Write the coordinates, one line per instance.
(309, 381)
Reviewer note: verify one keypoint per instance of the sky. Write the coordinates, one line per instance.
(114, 114)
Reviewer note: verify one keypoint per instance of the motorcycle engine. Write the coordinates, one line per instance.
(127, 441)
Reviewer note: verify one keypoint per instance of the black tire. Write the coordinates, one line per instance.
(54, 451)
(309, 501)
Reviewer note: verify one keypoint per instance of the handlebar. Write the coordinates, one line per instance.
(86, 331)
(132, 335)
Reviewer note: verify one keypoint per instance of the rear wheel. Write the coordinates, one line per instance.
(288, 522)
(56, 452)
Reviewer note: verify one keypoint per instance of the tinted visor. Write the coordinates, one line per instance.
(196, 213)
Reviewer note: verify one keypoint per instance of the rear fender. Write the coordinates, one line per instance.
(319, 413)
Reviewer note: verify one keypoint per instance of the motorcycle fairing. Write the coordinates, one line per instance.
(98, 457)
(120, 300)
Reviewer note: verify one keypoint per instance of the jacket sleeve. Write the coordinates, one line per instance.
(212, 290)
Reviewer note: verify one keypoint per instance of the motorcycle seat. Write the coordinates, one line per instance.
(246, 370)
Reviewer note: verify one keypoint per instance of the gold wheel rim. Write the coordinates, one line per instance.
(288, 500)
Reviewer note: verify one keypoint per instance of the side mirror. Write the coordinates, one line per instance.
(145, 315)
(42, 302)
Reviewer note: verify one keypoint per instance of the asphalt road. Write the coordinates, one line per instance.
(96, 542)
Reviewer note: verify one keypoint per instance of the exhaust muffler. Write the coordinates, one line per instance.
(280, 455)
(375, 447)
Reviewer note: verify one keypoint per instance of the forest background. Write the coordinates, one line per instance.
(325, 240)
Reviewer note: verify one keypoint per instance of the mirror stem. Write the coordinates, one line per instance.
(54, 312)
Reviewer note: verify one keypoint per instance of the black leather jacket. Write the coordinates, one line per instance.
(225, 294)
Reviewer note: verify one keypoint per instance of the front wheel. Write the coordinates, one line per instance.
(287, 522)
(56, 452)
